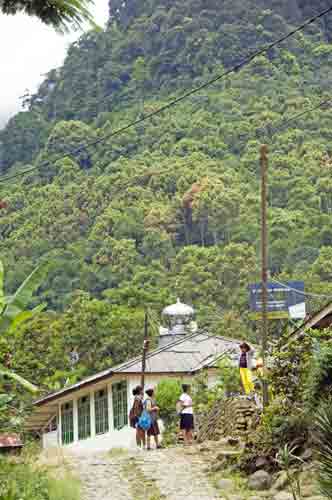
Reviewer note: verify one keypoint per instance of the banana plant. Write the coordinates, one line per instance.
(13, 313)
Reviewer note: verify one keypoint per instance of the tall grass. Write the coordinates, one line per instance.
(66, 488)
(20, 481)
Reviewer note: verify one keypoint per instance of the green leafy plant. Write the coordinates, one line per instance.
(319, 380)
(168, 392)
(228, 377)
(323, 448)
(13, 314)
(21, 481)
(286, 459)
(203, 396)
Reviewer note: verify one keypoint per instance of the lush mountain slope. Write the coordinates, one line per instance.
(172, 206)
(152, 48)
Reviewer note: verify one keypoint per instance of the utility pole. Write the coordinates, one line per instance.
(264, 251)
(145, 347)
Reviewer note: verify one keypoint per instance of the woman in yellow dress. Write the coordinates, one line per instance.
(246, 364)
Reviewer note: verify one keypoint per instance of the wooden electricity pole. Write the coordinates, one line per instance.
(264, 251)
(145, 347)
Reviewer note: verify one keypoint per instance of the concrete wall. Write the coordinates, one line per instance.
(124, 438)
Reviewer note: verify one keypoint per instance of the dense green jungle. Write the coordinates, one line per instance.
(171, 207)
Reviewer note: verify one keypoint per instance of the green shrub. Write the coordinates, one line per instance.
(324, 448)
(20, 481)
(228, 377)
(167, 394)
(319, 380)
(204, 397)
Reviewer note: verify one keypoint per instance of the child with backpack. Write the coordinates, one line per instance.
(135, 414)
(152, 409)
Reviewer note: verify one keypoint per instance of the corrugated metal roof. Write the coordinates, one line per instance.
(187, 355)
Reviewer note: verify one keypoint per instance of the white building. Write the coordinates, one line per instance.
(93, 414)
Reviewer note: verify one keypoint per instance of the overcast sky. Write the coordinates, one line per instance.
(29, 49)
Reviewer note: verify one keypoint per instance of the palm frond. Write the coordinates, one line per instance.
(61, 14)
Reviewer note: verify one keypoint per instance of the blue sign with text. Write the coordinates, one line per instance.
(284, 300)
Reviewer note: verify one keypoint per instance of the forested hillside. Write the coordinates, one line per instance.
(171, 207)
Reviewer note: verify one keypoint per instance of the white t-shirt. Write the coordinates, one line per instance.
(187, 403)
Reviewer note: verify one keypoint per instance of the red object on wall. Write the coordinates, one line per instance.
(10, 441)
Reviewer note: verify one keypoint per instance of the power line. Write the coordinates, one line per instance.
(143, 176)
(234, 69)
(275, 130)
(284, 123)
(299, 292)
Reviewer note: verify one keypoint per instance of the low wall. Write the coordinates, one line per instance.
(235, 417)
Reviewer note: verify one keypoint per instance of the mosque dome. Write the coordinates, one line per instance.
(179, 321)
(179, 309)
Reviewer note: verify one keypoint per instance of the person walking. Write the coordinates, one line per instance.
(246, 362)
(134, 415)
(186, 415)
(151, 406)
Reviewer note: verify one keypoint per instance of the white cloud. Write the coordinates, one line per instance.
(30, 49)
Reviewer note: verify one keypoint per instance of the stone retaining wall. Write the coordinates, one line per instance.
(235, 417)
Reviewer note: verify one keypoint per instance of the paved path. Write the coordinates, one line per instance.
(101, 477)
(179, 474)
(170, 474)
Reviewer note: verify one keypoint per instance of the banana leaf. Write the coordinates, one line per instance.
(23, 316)
(13, 310)
(23, 295)
(4, 372)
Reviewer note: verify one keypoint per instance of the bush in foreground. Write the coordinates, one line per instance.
(22, 482)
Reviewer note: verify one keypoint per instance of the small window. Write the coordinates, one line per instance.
(101, 411)
(84, 421)
(120, 405)
(67, 423)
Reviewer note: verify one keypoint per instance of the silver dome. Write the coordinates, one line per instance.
(178, 309)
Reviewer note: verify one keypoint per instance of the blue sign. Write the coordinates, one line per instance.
(284, 300)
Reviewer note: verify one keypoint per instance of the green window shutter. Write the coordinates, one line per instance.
(101, 411)
(84, 420)
(120, 405)
(67, 423)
